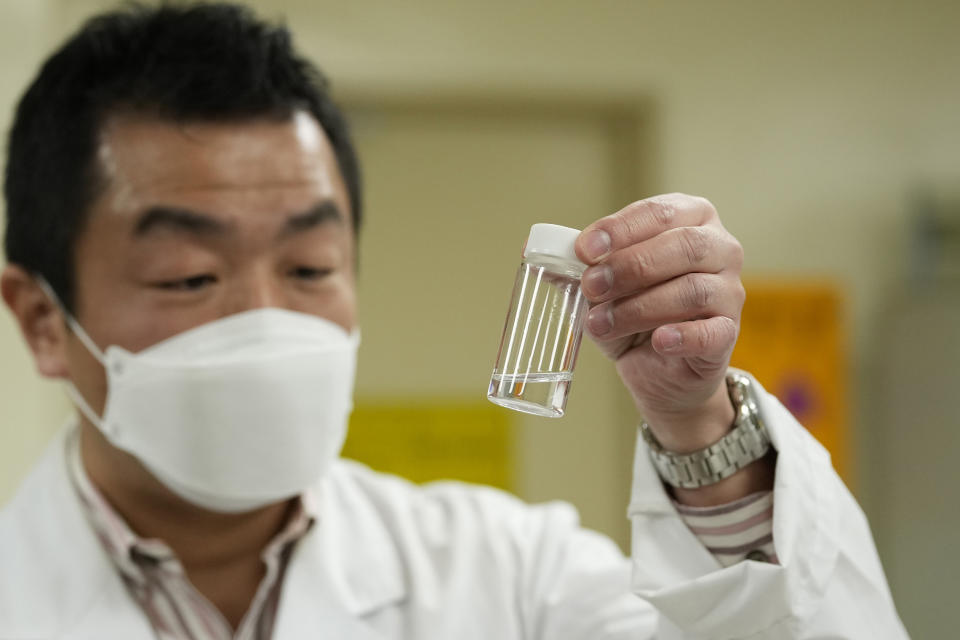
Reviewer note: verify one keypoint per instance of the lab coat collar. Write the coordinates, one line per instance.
(348, 556)
(345, 568)
(65, 585)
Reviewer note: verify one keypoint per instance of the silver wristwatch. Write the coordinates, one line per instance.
(746, 442)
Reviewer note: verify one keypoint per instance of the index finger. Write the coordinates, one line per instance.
(641, 221)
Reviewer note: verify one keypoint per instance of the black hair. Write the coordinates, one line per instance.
(184, 62)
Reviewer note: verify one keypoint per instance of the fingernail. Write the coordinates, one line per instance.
(600, 321)
(596, 244)
(670, 339)
(597, 280)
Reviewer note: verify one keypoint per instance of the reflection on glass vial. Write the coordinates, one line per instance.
(544, 326)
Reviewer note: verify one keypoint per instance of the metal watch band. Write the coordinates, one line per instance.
(746, 442)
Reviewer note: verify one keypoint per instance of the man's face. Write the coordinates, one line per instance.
(202, 220)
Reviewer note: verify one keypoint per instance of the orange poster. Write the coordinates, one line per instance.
(793, 341)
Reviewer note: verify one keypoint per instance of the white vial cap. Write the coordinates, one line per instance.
(553, 240)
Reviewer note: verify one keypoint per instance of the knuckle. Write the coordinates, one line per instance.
(738, 254)
(700, 291)
(706, 205)
(728, 327)
(728, 332)
(639, 265)
(624, 223)
(705, 336)
(734, 331)
(716, 335)
(740, 294)
(636, 307)
(696, 243)
(613, 224)
(661, 210)
(732, 248)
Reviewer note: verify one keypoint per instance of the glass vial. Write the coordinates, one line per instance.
(541, 336)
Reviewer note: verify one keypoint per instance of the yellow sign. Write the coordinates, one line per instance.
(425, 441)
(793, 341)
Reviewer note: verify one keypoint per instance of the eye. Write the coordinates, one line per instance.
(193, 283)
(310, 273)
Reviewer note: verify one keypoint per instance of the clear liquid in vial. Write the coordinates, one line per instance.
(542, 394)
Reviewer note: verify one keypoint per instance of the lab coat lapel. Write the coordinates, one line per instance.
(345, 569)
(70, 589)
(311, 605)
(115, 615)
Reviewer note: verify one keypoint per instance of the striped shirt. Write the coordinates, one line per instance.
(176, 610)
(740, 530)
(157, 581)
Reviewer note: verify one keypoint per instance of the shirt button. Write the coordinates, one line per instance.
(758, 556)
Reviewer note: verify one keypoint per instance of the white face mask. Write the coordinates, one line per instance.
(242, 412)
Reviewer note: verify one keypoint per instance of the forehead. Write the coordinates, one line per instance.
(145, 159)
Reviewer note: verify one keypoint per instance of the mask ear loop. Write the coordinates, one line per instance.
(72, 323)
(74, 326)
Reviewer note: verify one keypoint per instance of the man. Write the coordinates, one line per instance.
(183, 206)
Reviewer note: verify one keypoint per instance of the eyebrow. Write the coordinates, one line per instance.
(323, 212)
(203, 224)
(178, 219)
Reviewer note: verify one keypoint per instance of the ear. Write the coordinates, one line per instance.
(41, 321)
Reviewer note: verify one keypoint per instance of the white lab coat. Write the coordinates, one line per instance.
(388, 559)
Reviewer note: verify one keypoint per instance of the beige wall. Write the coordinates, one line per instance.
(806, 123)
